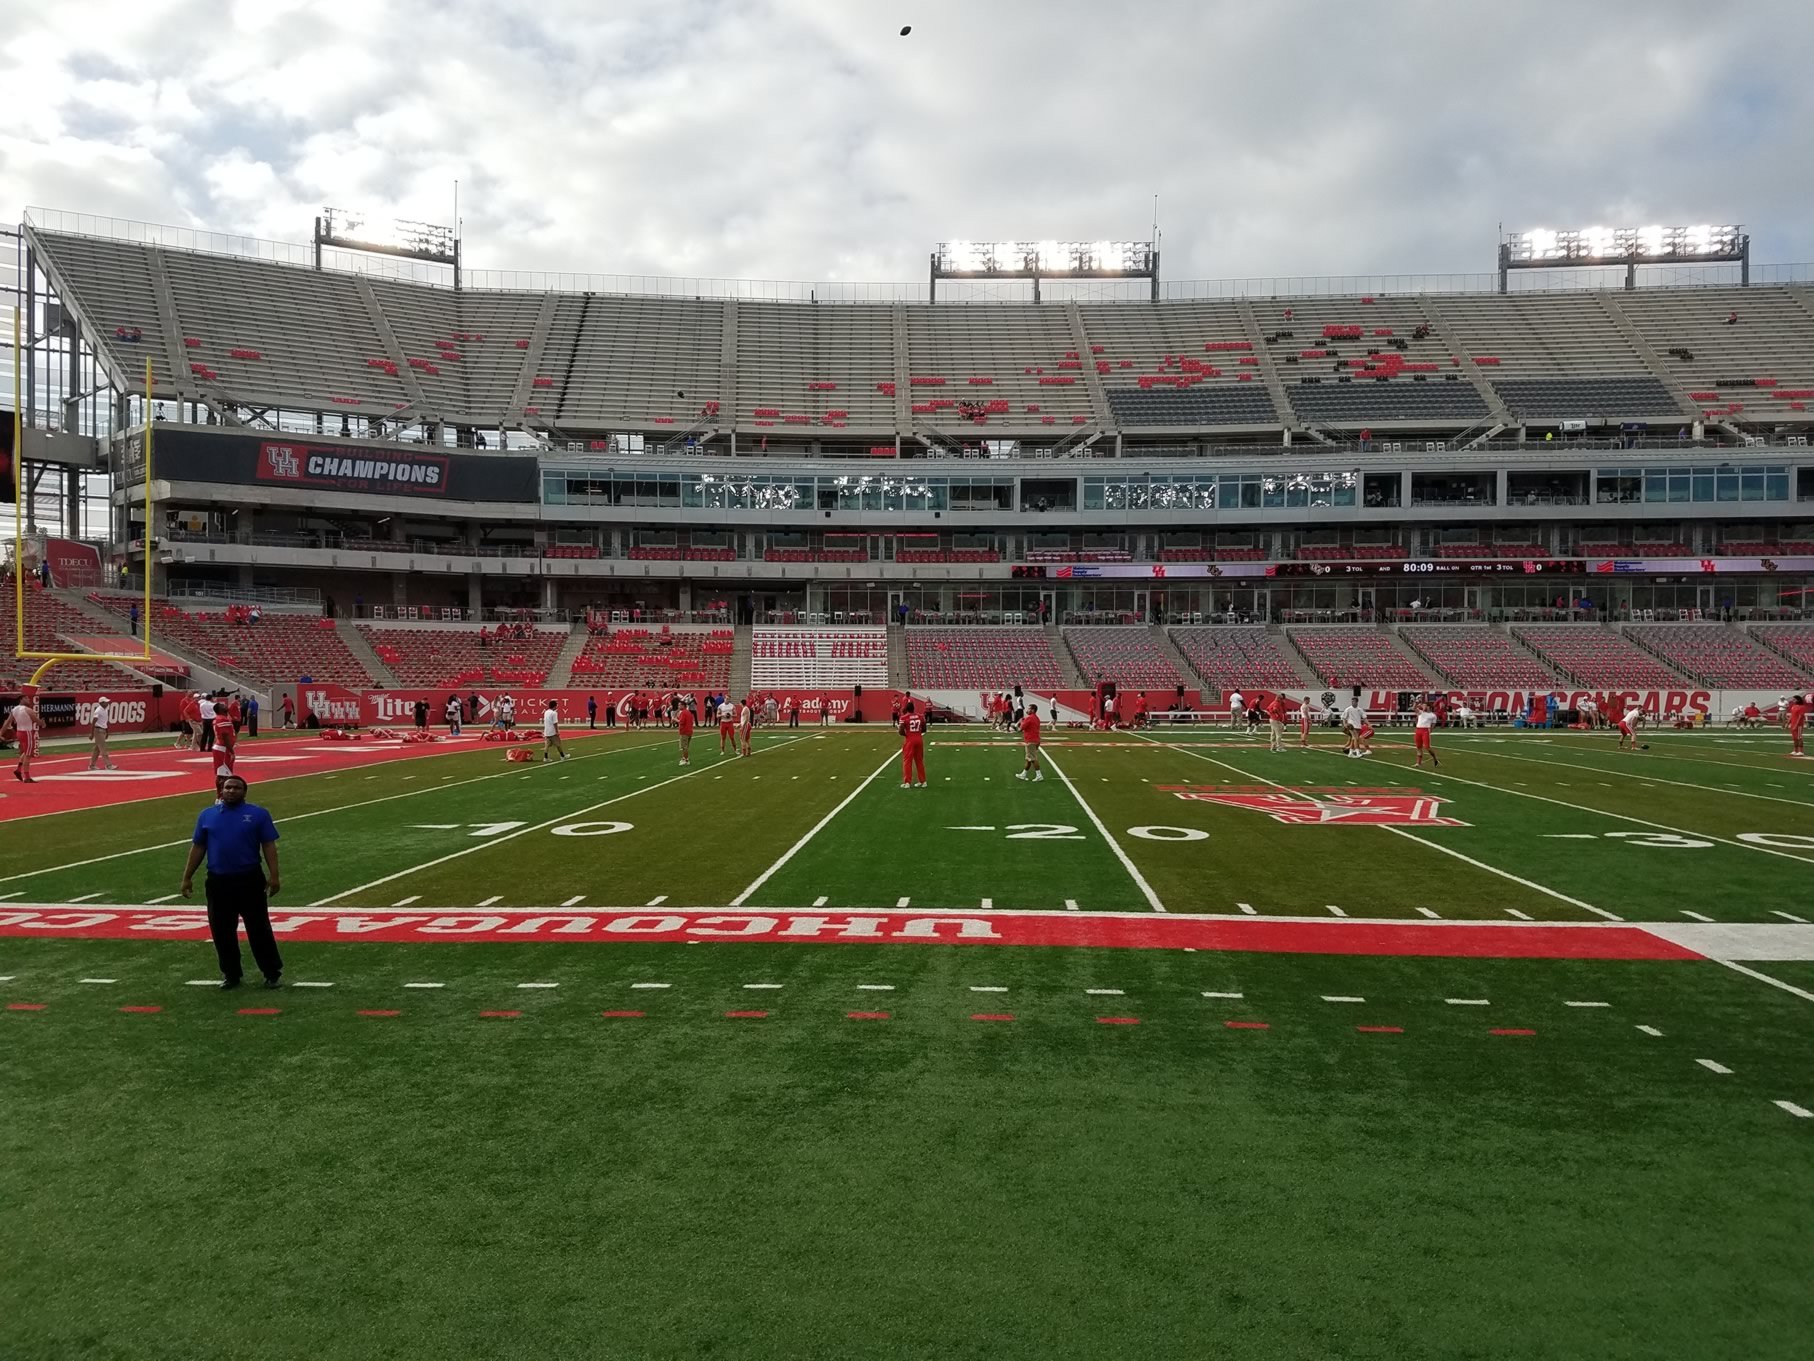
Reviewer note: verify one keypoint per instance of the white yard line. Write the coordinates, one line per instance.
(575, 900)
(1506, 874)
(288, 818)
(1435, 846)
(1799, 1112)
(1133, 870)
(317, 985)
(1788, 916)
(1467, 1001)
(1230, 996)
(817, 827)
(1587, 1004)
(1618, 817)
(1802, 993)
(1713, 1067)
(1650, 1030)
(1653, 779)
(1328, 998)
(500, 840)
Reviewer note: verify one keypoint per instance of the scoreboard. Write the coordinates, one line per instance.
(1439, 567)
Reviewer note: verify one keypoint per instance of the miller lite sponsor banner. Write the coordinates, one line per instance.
(185, 454)
(1131, 931)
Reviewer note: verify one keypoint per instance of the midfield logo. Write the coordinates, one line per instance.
(1324, 804)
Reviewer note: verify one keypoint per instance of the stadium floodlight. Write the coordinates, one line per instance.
(1542, 248)
(1036, 260)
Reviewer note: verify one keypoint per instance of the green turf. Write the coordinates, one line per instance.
(192, 1183)
(198, 1184)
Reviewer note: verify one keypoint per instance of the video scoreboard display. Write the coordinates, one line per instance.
(1439, 567)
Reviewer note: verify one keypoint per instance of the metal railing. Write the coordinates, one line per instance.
(977, 292)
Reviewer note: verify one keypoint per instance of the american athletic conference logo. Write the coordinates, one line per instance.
(1323, 805)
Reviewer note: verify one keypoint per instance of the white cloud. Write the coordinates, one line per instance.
(802, 139)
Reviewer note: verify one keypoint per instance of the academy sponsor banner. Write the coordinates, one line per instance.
(371, 469)
(1096, 931)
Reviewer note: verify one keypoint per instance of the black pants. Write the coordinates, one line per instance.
(230, 898)
(252, 724)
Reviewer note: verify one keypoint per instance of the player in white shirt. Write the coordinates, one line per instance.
(1237, 705)
(551, 732)
(727, 726)
(98, 759)
(1782, 710)
(1589, 711)
(1353, 722)
(22, 726)
(1628, 727)
(507, 711)
(746, 718)
(455, 712)
(1306, 717)
(1426, 729)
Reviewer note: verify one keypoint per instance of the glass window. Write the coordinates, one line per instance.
(1751, 483)
(690, 494)
(1776, 484)
(1725, 485)
(1092, 493)
(1703, 484)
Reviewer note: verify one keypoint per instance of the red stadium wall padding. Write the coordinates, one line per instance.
(336, 705)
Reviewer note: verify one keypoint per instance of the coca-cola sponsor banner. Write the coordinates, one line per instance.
(129, 711)
(374, 469)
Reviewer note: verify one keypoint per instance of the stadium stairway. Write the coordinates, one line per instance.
(740, 660)
(1067, 663)
(1162, 639)
(897, 658)
(361, 647)
(204, 671)
(560, 675)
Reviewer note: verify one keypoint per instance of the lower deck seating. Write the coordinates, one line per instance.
(980, 659)
(1719, 656)
(1358, 656)
(1237, 658)
(448, 657)
(656, 659)
(280, 649)
(814, 658)
(1477, 657)
(1793, 642)
(1131, 657)
(49, 623)
(1595, 656)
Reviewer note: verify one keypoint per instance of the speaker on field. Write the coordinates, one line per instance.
(157, 691)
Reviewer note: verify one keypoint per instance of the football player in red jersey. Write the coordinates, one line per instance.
(1798, 718)
(684, 722)
(913, 747)
(222, 748)
(1029, 736)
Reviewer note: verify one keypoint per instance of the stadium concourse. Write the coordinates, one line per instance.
(754, 1055)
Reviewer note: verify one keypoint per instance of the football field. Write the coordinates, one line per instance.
(1190, 1049)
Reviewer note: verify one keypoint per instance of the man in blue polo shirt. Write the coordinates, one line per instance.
(232, 835)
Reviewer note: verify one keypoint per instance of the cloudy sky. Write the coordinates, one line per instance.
(804, 139)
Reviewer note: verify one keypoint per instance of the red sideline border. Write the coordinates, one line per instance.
(1130, 931)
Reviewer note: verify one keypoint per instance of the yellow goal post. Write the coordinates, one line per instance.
(49, 659)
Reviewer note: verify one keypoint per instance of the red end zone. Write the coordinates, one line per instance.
(1511, 940)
